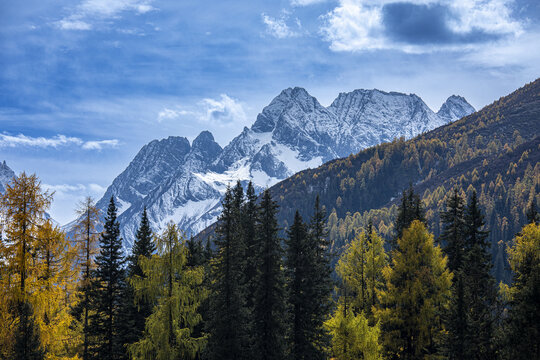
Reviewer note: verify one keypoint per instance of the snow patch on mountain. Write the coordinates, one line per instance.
(184, 183)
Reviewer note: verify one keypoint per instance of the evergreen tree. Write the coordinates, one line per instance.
(522, 326)
(27, 338)
(134, 315)
(269, 300)
(108, 289)
(532, 214)
(250, 218)
(229, 320)
(417, 290)
(323, 285)
(176, 290)
(453, 240)
(479, 287)
(86, 239)
(410, 209)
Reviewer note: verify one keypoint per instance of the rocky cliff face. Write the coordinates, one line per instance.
(182, 182)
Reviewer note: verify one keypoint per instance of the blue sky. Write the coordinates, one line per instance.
(84, 84)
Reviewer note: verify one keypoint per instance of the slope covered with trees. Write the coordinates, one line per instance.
(495, 151)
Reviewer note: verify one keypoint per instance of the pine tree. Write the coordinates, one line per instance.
(134, 315)
(323, 285)
(176, 290)
(269, 305)
(417, 290)
(108, 289)
(409, 210)
(522, 326)
(86, 239)
(479, 287)
(229, 320)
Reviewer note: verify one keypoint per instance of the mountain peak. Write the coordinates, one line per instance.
(455, 107)
(6, 174)
(205, 146)
(203, 138)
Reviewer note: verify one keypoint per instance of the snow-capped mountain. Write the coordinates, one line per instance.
(182, 182)
(6, 174)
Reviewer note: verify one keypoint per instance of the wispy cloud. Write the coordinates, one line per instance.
(305, 2)
(221, 111)
(277, 27)
(89, 11)
(57, 141)
(62, 189)
(417, 25)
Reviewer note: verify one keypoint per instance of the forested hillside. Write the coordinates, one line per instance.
(495, 151)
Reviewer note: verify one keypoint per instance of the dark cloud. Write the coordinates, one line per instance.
(425, 24)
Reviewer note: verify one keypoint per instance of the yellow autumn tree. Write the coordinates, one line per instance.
(417, 293)
(53, 291)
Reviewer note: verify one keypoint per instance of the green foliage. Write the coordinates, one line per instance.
(417, 292)
(175, 290)
(229, 324)
(107, 293)
(269, 324)
(134, 314)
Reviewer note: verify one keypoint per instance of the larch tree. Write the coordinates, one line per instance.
(417, 292)
(23, 208)
(54, 288)
(522, 325)
(86, 238)
(175, 290)
(107, 290)
(269, 298)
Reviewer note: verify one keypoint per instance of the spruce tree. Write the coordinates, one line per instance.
(269, 300)
(318, 237)
(229, 320)
(453, 240)
(250, 218)
(108, 289)
(133, 316)
(480, 291)
(532, 214)
(27, 338)
(410, 209)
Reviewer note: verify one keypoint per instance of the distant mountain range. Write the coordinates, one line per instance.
(184, 183)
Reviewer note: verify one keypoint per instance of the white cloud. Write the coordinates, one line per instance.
(221, 111)
(64, 189)
(357, 25)
(7, 140)
(90, 10)
(278, 27)
(98, 145)
(170, 114)
(305, 2)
